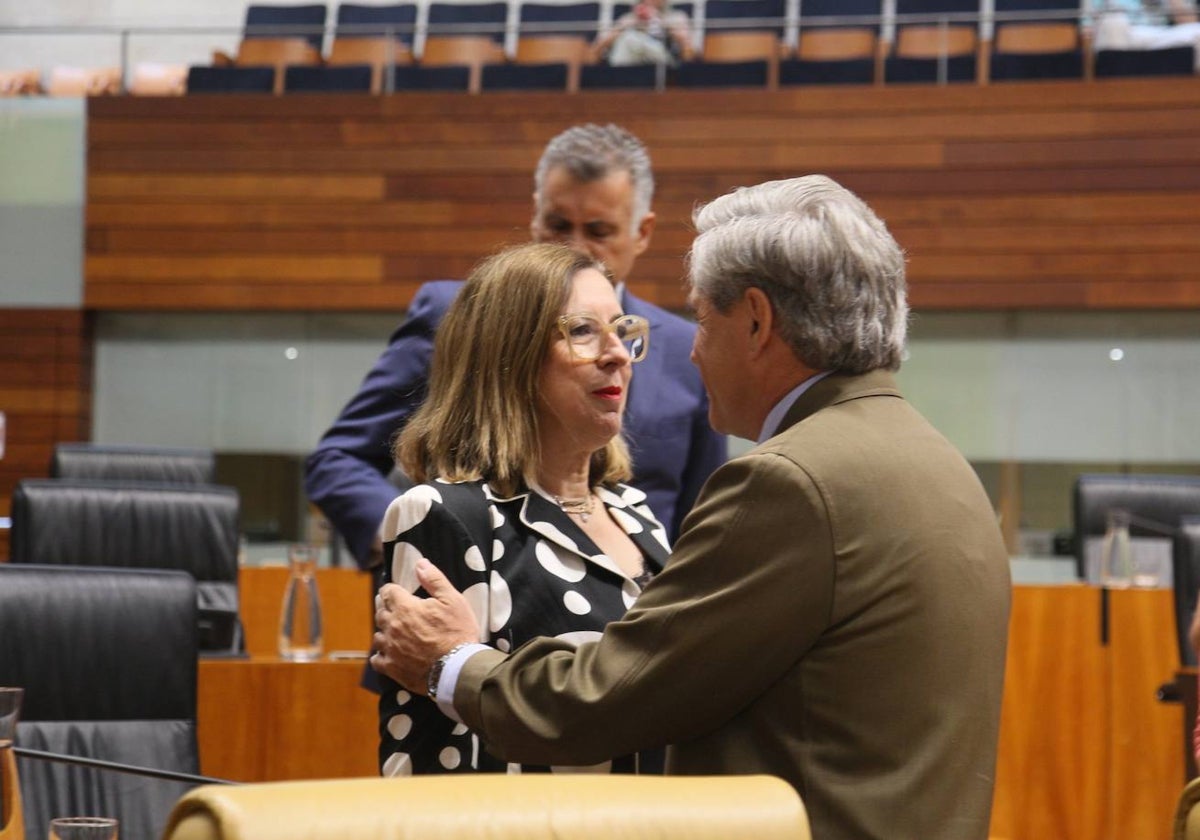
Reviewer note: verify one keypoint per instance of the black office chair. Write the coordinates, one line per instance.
(133, 463)
(1037, 47)
(1157, 504)
(279, 21)
(842, 54)
(607, 77)
(555, 19)
(107, 658)
(1185, 566)
(202, 79)
(186, 527)
(360, 21)
(348, 78)
(1172, 61)
(457, 19)
(547, 76)
(931, 52)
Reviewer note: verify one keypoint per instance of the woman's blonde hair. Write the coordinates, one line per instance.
(479, 420)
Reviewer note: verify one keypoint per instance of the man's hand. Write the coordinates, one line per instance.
(414, 632)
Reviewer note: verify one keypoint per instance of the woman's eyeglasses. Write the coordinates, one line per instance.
(586, 334)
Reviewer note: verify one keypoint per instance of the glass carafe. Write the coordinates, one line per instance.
(300, 637)
(12, 824)
(1116, 552)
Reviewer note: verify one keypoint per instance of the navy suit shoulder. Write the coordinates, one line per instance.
(666, 418)
(346, 475)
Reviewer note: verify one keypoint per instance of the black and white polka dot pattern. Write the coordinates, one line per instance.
(541, 576)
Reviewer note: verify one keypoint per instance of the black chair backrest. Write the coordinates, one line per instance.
(557, 19)
(468, 19)
(107, 658)
(1186, 568)
(872, 9)
(1169, 61)
(957, 8)
(187, 527)
(347, 78)
(299, 21)
(1161, 501)
(133, 463)
(203, 79)
(357, 21)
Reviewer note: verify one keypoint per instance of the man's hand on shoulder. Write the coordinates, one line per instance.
(413, 633)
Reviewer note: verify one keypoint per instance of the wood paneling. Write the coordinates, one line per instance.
(346, 616)
(45, 392)
(1073, 195)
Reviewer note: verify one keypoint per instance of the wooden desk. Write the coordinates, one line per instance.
(1086, 750)
(262, 719)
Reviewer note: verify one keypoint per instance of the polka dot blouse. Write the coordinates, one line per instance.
(540, 576)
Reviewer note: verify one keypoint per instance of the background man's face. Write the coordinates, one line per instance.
(594, 217)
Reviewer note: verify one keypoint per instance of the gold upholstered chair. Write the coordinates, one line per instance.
(524, 807)
(1187, 813)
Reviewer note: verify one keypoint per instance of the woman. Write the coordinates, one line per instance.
(519, 446)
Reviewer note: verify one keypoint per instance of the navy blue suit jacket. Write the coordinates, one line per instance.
(666, 422)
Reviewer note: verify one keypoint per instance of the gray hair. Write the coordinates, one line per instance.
(590, 152)
(833, 273)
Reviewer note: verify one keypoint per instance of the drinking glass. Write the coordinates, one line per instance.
(12, 825)
(83, 828)
(300, 636)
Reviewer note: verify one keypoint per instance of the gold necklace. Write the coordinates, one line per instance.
(578, 507)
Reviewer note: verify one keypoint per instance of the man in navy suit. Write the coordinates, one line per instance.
(592, 190)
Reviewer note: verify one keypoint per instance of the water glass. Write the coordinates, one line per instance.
(83, 828)
(300, 635)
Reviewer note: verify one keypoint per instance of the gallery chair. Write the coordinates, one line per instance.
(107, 658)
(499, 807)
(133, 463)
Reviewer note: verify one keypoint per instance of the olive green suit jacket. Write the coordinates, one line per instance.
(835, 613)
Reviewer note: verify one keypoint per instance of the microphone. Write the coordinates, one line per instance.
(101, 764)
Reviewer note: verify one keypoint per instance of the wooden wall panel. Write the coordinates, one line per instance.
(1074, 195)
(45, 392)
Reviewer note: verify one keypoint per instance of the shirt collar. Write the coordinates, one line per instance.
(776, 415)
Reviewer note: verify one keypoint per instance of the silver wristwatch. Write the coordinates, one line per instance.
(435, 673)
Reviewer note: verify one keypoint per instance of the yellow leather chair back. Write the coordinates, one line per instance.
(521, 807)
(1187, 814)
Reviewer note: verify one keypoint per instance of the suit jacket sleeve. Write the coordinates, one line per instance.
(740, 602)
(346, 476)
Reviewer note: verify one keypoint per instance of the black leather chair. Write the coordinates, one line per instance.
(187, 527)
(133, 463)
(1185, 565)
(278, 21)
(202, 79)
(1034, 47)
(107, 658)
(452, 19)
(355, 20)
(548, 76)
(926, 52)
(349, 78)
(1159, 501)
(580, 19)
(1172, 61)
(607, 77)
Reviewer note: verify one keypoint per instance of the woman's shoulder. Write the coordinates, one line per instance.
(431, 499)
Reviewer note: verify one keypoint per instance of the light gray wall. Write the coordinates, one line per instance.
(41, 202)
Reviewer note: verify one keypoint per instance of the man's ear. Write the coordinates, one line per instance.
(761, 318)
(645, 230)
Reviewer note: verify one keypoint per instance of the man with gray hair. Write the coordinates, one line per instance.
(592, 191)
(835, 611)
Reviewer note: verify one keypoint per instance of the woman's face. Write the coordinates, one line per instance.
(580, 402)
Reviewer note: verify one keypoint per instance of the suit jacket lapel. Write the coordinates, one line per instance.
(543, 516)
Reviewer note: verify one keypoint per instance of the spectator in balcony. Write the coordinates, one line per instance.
(650, 33)
(1146, 25)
